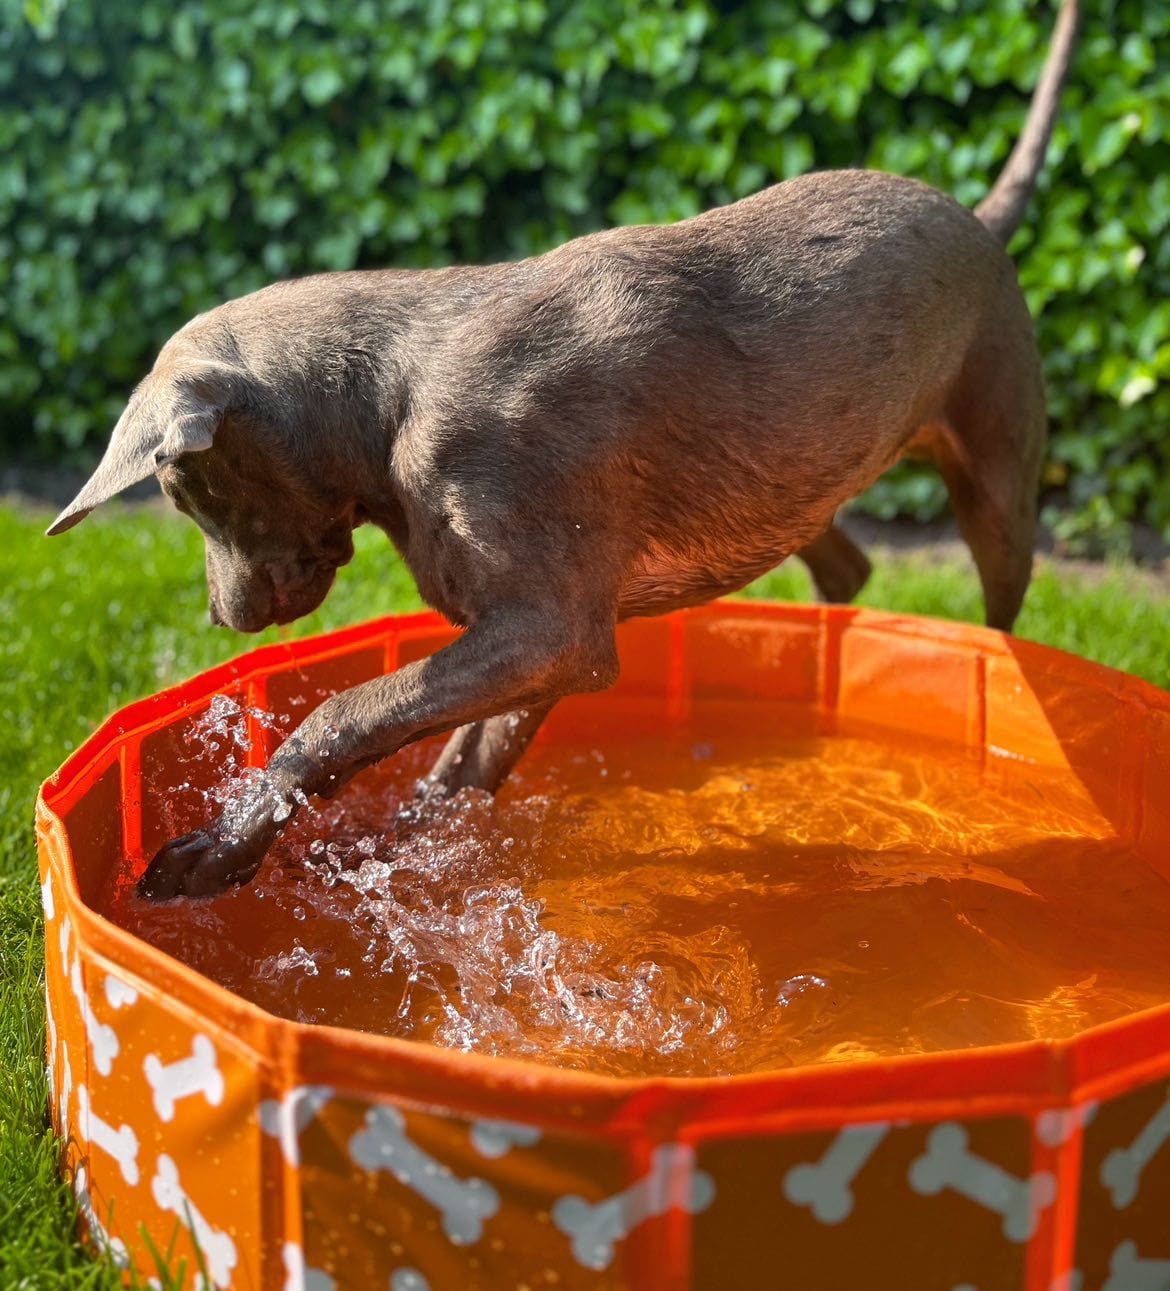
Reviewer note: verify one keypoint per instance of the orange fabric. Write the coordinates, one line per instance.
(378, 1162)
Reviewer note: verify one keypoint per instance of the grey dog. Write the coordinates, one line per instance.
(642, 419)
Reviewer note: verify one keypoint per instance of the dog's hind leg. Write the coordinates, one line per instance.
(999, 526)
(991, 456)
(839, 568)
(482, 754)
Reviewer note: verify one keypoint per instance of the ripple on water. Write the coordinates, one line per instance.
(720, 898)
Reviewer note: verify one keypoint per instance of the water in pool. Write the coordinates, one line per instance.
(728, 894)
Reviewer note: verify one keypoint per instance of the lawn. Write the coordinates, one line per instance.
(118, 608)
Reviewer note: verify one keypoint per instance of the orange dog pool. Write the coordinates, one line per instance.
(852, 975)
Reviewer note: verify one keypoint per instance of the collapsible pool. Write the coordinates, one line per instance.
(292, 1154)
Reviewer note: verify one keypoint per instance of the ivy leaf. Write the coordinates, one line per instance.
(322, 84)
(229, 144)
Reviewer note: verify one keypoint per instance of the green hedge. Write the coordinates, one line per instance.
(157, 158)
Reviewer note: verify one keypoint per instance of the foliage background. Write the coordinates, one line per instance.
(158, 158)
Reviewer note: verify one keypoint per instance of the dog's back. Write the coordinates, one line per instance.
(717, 387)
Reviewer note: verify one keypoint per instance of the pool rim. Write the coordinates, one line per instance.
(1021, 1077)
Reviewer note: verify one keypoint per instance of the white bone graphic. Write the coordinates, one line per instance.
(185, 1078)
(102, 1038)
(1056, 1125)
(408, 1280)
(672, 1183)
(286, 1119)
(948, 1164)
(496, 1138)
(66, 1090)
(464, 1203)
(50, 1025)
(1071, 1281)
(114, 1247)
(218, 1248)
(47, 896)
(824, 1186)
(1129, 1273)
(1121, 1171)
(63, 938)
(119, 994)
(51, 1048)
(120, 1143)
(299, 1278)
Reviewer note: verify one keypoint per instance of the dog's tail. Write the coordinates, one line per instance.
(1002, 210)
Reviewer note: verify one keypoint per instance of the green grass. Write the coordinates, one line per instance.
(118, 608)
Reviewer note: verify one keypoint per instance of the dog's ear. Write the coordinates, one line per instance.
(170, 414)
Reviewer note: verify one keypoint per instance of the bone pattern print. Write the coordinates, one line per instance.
(219, 1251)
(185, 1078)
(1121, 1171)
(298, 1277)
(496, 1138)
(1129, 1272)
(1073, 1281)
(948, 1164)
(463, 1203)
(47, 897)
(120, 1142)
(103, 1039)
(408, 1280)
(66, 1090)
(119, 994)
(672, 1182)
(113, 1247)
(286, 1119)
(1058, 1124)
(51, 1047)
(824, 1186)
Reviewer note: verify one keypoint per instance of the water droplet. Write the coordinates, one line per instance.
(795, 987)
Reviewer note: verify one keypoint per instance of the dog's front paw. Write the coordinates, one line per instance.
(202, 864)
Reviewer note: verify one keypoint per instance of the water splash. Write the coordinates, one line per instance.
(629, 906)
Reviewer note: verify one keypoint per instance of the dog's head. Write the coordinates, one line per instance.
(275, 530)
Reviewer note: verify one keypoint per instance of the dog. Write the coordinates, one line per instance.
(642, 419)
